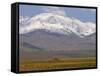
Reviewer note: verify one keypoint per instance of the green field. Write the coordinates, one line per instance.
(70, 63)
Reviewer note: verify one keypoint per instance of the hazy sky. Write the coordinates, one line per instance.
(83, 14)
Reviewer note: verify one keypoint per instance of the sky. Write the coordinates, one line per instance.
(83, 14)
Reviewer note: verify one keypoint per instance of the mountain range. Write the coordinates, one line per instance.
(56, 23)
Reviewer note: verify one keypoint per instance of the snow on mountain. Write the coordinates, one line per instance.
(56, 23)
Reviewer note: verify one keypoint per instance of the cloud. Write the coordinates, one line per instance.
(92, 10)
(56, 10)
(23, 18)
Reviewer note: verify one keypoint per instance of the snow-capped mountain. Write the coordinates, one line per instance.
(56, 23)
